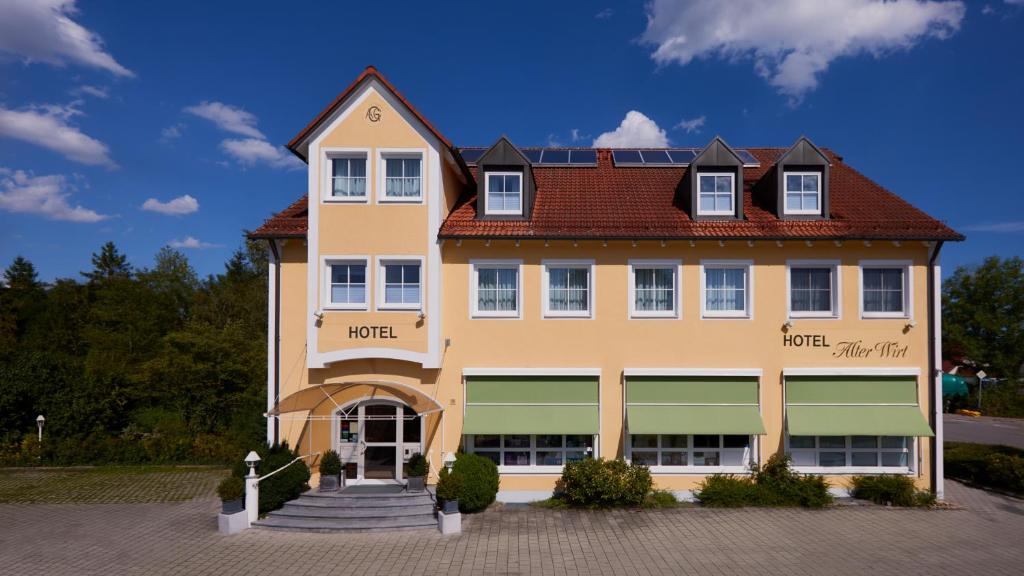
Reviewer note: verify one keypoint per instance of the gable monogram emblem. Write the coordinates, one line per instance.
(373, 114)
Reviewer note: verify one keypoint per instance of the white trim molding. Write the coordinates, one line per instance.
(545, 283)
(742, 372)
(853, 371)
(325, 263)
(733, 197)
(474, 267)
(595, 372)
(676, 266)
(908, 288)
(383, 155)
(381, 303)
(487, 193)
(836, 290)
(327, 156)
(786, 191)
(748, 312)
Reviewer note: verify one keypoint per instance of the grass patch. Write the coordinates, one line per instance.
(108, 484)
(996, 467)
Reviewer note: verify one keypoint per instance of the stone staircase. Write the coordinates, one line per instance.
(353, 511)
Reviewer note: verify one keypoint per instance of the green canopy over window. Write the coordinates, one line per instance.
(854, 406)
(692, 405)
(531, 405)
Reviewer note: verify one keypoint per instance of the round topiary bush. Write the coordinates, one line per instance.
(330, 464)
(479, 482)
(600, 483)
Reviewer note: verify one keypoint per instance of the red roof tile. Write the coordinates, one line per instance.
(638, 202)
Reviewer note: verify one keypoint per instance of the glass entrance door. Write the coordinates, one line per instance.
(377, 438)
(380, 433)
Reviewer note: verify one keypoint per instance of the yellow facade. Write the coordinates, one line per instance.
(429, 349)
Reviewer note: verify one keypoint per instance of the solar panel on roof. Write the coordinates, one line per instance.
(583, 157)
(533, 155)
(471, 155)
(554, 156)
(627, 157)
(682, 156)
(747, 157)
(655, 157)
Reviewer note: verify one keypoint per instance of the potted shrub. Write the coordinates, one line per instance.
(232, 495)
(330, 471)
(416, 473)
(448, 488)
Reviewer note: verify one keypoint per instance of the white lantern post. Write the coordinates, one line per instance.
(39, 423)
(252, 488)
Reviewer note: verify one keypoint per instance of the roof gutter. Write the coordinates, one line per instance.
(938, 475)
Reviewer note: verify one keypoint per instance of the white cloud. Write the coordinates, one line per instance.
(253, 151)
(792, 42)
(1017, 226)
(691, 126)
(94, 91)
(171, 133)
(636, 130)
(228, 118)
(605, 14)
(191, 242)
(25, 193)
(1015, 2)
(176, 207)
(47, 126)
(42, 31)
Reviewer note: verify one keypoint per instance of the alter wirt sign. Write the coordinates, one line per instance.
(881, 349)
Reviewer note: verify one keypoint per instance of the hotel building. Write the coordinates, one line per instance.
(691, 309)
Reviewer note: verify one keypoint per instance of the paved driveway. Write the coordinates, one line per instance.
(984, 430)
(181, 538)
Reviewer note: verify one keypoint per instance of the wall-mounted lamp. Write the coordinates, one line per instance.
(787, 324)
(911, 324)
(319, 315)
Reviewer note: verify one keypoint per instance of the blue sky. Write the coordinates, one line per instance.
(183, 106)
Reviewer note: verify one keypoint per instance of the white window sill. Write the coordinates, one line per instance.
(802, 213)
(400, 307)
(576, 316)
(729, 213)
(670, 314)
(845, 470)
(512, 470)
(884, 315)
(726, 315)
(503, 212)
(699, 470)
(495, 316)
(401, 200)
(813, 316)
(349, 307)
(346, 200)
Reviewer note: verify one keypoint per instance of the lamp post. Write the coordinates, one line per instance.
(39, 423)
(449, 461)
(252, 488)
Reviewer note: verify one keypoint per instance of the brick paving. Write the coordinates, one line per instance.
(980, 536)
(107, 484)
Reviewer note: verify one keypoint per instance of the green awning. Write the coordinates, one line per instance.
(523, 419)
(673, 419)
(856, 421)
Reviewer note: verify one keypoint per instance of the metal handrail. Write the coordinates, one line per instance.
(265, 476)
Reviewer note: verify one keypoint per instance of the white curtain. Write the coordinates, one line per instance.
(810, 289)
(726, 289)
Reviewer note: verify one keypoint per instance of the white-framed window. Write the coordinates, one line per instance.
(654, 288)
(400, 283)
(716, 193)
(813, 288)
(568, 288)
(885, 289)
(496, 288)
(530, 452)
(803, 192)
(726, 288)
(401, 176)
(851, 454)
(503, 193)
(345, 283)
(699, 452)
(345, 175)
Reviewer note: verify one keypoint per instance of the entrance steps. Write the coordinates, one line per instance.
(353, 512)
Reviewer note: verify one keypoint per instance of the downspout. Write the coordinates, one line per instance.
(934, 367)
(276, 366)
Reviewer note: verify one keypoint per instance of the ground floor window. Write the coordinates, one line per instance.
(696, 450)
(526, 450)
(851, 451)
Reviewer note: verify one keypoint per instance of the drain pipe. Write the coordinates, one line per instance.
(935, 366)
(274, 379)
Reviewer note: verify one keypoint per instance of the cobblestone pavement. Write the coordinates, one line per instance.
(981, 536)
(107, 484)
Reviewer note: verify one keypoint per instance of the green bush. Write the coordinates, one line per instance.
(281, 487)
(449, 486)
(480, 482)
(330, 464)
(660, 499)
(600, 483)
(416, 466)
(890, 489)
(998, 467)
(773, 484)
(231, 488)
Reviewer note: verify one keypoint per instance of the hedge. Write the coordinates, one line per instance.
(998, 467)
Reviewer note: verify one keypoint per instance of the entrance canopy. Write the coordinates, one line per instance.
(311, 397)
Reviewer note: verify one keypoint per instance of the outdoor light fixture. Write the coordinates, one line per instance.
(449, 460)
(39, 422)
(788, 324)
(911, 324)
(251, 460)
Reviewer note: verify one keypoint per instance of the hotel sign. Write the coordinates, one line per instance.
(863, 349)
(371, 332)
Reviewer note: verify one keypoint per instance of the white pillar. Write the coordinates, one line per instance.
(252, 497)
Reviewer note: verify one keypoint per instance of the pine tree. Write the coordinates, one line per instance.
(108, 263)
(21, 275)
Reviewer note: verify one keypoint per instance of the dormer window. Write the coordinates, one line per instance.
(803, 193)
(717, 192)
(504, 193)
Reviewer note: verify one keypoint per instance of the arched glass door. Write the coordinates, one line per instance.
(377, 438)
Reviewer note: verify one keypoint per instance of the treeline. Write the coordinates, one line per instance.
(134, 366)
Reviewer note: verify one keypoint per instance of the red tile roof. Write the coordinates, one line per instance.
(641, 202)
